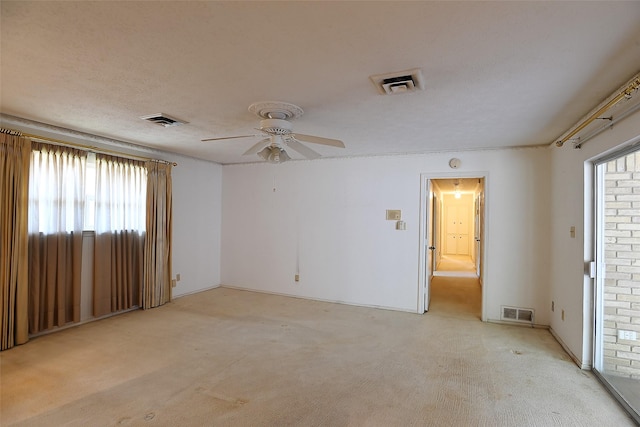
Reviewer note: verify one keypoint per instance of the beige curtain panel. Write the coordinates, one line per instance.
(54, 280)
(119, 234)
(15, 153)
(56, 213)
(157, 255)
(118, 271)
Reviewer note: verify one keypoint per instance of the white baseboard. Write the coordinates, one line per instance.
(382, 307)
(521, 324)
(576, 359)
(197, 291)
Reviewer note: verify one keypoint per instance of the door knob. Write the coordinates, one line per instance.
(432, 247)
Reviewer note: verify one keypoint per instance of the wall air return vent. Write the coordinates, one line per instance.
(516, 314)
(163, 120)
(399, 82)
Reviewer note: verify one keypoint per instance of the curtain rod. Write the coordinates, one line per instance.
(86, 147)
(625, 92)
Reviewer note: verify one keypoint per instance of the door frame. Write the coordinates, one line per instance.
(425, 223)
(595, 175)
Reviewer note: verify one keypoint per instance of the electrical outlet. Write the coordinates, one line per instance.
(553, 306)
(562, 314)
(297, 277)
(173, 283)
(178, 277)
(627, 335)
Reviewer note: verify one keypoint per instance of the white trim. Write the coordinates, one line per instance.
(197, 291)
(581, 365)
(422, 241)
(283, 294)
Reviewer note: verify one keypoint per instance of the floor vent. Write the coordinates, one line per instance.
(516, 314)
(399, 82)
(162, 119)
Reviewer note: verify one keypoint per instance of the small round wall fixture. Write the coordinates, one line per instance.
(455, 163)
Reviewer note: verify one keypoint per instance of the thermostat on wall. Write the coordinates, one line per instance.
(454, 163)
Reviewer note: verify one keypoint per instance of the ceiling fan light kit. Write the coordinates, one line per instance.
(274, 155)
(277, 128)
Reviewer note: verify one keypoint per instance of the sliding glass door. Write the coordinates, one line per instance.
(617, 288)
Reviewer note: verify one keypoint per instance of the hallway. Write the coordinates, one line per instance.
(456, 266)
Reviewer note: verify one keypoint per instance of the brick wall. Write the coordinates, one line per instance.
(622, 260)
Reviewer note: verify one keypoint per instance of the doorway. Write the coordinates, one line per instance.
(452, 234)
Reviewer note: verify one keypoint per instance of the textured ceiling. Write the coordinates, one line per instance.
(497, 74)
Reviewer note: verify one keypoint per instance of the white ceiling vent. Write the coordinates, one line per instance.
(162, 119)
(399, 82)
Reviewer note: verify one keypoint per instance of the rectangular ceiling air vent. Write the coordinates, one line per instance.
(163, 120)
(399, 82)
(516, 314)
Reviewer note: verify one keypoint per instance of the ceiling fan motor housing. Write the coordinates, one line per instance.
(276, 126)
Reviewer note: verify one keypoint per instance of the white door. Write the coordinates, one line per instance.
(429, 243)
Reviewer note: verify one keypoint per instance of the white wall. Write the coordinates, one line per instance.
(197, 219)
(571, 205)
(330, 215)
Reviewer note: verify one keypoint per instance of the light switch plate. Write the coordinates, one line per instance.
(394, 215)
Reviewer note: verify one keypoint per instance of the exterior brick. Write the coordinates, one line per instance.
(629, 298)
(622, 265)
(628, 355)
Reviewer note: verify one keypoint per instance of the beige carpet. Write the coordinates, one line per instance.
(233, 358)
(455, 266)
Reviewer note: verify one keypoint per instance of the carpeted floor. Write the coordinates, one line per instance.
(233, 358)
(456, 266)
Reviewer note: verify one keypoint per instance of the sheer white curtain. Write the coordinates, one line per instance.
(56, 211)
(120, 208)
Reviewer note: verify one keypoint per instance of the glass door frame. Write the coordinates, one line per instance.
(598, 273)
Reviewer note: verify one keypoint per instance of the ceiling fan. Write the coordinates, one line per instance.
(278, 132)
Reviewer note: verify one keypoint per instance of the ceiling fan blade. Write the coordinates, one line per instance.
(228, 137)
(257, 147)
(305, 151)
(319, 140)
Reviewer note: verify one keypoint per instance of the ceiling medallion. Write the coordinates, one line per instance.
(275, 110)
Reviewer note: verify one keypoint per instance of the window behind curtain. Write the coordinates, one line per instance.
(65, 193)
(56, 189)
(70, 191)
(120, 194)
(56, 202)
(120, 218)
